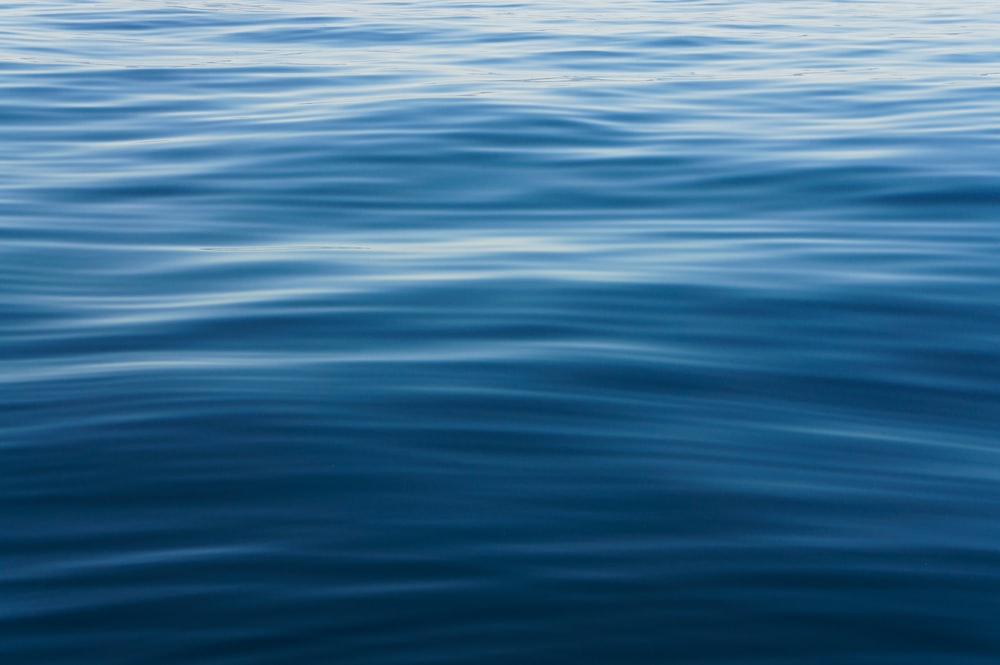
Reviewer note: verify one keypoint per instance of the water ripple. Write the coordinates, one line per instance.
(599, 332)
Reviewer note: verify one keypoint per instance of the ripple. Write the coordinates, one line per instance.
(391, 333)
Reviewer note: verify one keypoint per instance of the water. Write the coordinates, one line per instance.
(410, 332)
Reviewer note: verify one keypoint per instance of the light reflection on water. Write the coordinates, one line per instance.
(395, 332)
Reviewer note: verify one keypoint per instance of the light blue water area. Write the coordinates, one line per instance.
(385, 333)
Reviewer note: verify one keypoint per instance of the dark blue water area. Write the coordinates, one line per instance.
(389, 333)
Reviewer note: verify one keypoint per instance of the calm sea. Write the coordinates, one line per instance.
(632, 332)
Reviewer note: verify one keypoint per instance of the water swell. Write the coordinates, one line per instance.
(466, 332)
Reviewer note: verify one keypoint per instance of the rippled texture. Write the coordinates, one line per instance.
(627, 333)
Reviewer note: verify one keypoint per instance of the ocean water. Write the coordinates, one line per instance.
(386, 333)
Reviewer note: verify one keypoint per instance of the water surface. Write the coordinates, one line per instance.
(388, 333)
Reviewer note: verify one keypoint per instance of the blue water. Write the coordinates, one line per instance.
(382, 333)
